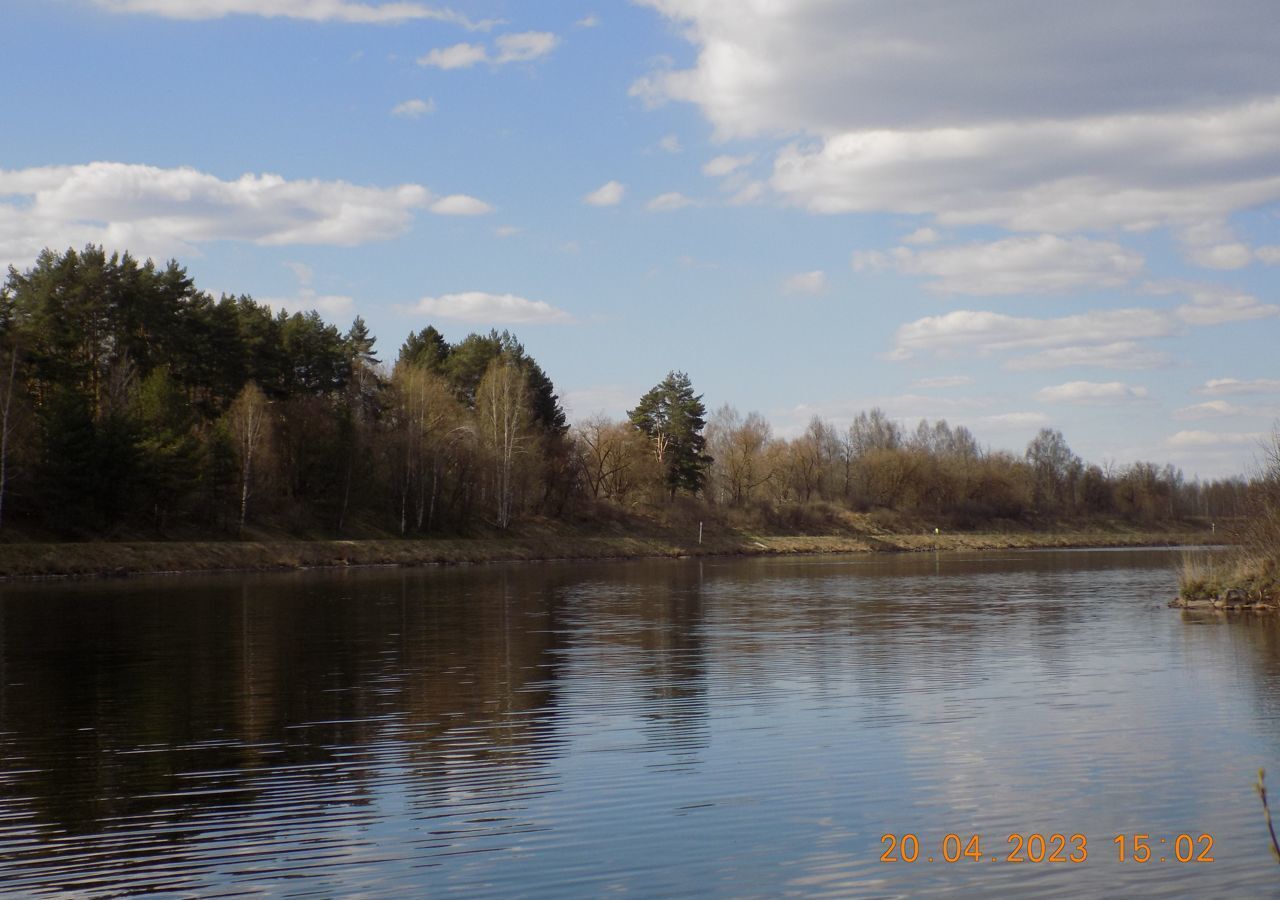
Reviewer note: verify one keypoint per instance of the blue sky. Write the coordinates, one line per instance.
(1001, 214)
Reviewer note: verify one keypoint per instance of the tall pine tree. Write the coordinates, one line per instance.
(673, 417)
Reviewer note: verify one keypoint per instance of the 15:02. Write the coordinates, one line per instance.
(1186, 848)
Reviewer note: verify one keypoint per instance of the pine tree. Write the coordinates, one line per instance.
(673, 417)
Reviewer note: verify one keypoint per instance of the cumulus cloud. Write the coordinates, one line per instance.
(1092, 393)
(672, 200)
(720, 166)
(1240, 386)
(459, 56)
(1270, 254)
(1100, 338)
(670, 143)
(1079, 117)
(968, 331)
(1134, 171)
(1041, 264)
(1213, 409)
(922, 237)
(827, 67)
(1222, 256)
(460, 205)
(161, 212)
(1128, 355)
(413, 109)
(525, 46)
(608, 194)
(814, 282)
(1185, 439)
(750, 192)
(590, 20)
(310, 10)
(1214, 306)
(480, 308)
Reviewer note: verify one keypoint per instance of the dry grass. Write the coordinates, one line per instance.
(533, 543)
(1254, 566)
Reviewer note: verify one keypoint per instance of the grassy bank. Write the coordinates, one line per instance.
(1245, 575)
(25, 560)
(1248, 575)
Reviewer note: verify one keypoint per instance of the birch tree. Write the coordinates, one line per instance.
(504, 416)
(250, 425)
(430, 424)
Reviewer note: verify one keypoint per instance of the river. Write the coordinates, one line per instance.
(658, 728)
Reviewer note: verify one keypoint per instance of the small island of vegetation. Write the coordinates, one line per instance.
(1248, 575)
(147, 426)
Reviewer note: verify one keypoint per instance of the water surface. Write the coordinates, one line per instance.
(733, 728)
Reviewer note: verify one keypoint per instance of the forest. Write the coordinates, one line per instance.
(133, 404)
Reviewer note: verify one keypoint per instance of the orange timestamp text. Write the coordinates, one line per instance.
(1047, 848)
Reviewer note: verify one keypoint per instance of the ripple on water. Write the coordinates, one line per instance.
(742, 728)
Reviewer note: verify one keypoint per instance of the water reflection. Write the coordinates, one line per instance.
(726, 727)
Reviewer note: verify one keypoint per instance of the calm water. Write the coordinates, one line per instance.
(735, 728)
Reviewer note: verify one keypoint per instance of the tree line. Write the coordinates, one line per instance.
(132, 402)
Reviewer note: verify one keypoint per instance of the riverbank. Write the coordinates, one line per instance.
(35, 560)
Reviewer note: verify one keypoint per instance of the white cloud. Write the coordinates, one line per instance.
(1053, 120)
(310, 10)
(608, 194)
(967, 331)
(826, 67)
(1136, 171)
(459, 56)
(480, 308)
(1269, 255)
(922, 237)
(1041, 264)
(460, 205)
(413, 109)
(161, 212)
(1212, 409)
(1212, 305)
(510, 48)
(525, 46)
(1115, 355)
(1218, 386)
(944, 381)
(670, 143)
(506, 231)
(1215, 438)
(1212, 244)
(725, 165)
(672, 200)
(814, 282)
(749, 193)
(1092, 393)
(1222, 256)
(590, 20)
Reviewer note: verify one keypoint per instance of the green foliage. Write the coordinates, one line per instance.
(673, 418)
(125, 420)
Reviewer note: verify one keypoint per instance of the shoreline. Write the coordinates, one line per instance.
(39, 561)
